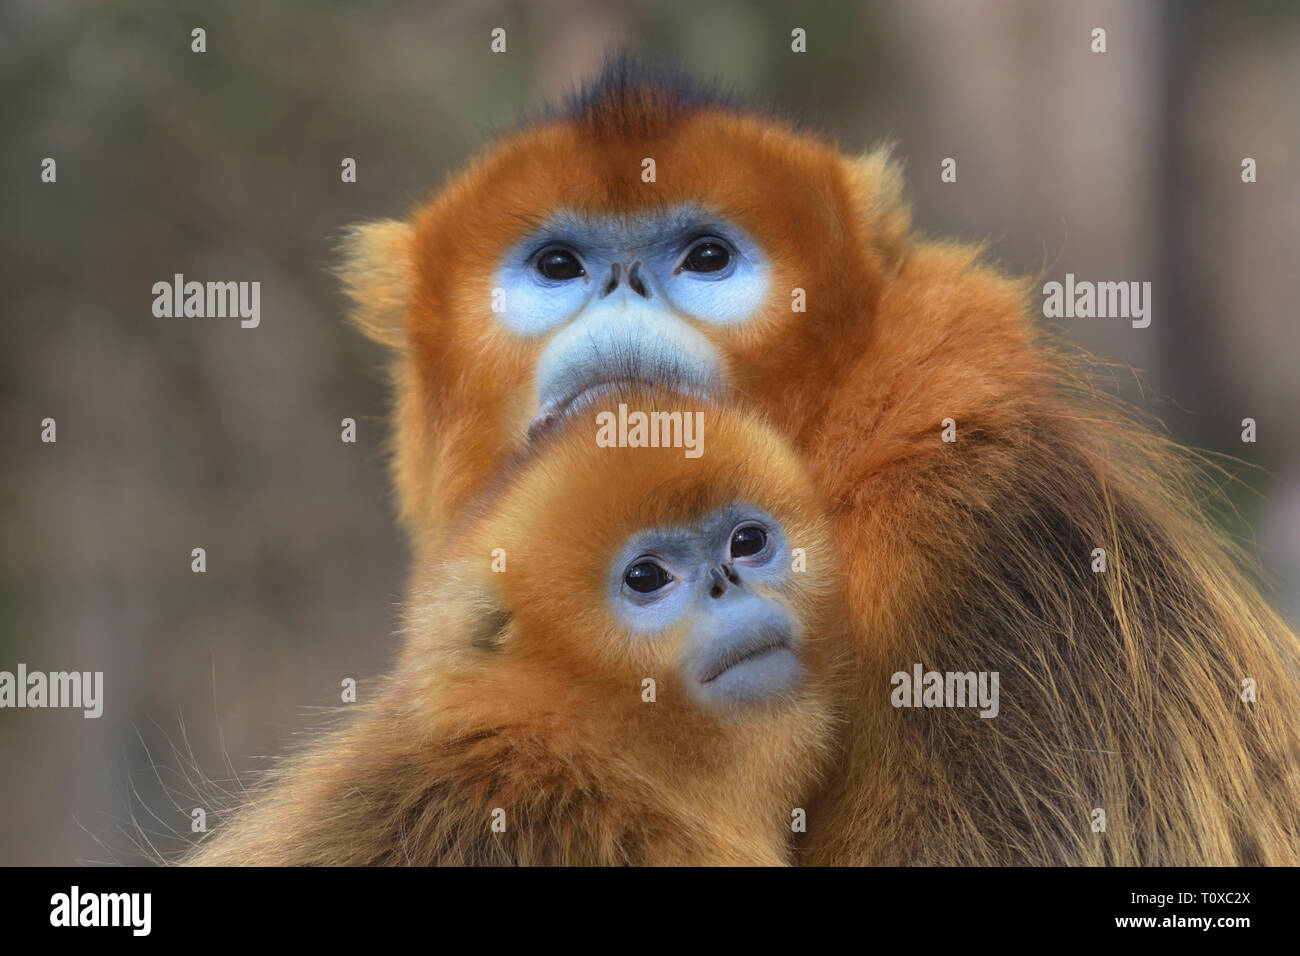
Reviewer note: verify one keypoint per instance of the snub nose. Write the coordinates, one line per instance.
(636, 283)
(719, 576)
(718, 583)
(615, 276)
(635, 280)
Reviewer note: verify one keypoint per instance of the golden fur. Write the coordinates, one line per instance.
(520, 691)
(1120, 690)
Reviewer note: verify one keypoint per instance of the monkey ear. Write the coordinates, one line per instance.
(877, 180)
(459, 612)
(488, 619)
(489, 630)
(376, 271)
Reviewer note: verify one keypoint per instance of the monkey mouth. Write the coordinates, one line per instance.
(761, 667)
(584, 364)
(743, 653)
(598, 391)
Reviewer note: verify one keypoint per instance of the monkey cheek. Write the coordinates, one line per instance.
(768, 676)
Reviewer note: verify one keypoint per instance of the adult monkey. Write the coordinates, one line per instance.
(651, 232)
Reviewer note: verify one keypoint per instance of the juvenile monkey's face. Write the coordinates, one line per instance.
(626, 564)
(715, 586)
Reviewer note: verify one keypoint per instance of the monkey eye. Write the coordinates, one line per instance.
(747, 540)
(559, 265)
(646, 576)
(707, 255)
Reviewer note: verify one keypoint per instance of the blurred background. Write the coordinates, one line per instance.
(176, 434)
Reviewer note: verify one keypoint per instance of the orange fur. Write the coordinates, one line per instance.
(1120, 689)
(520, 691)
(455, 425)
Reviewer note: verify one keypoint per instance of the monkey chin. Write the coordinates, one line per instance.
(764, 669)
(601, 393)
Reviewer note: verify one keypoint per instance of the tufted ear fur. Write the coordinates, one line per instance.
(456, 612)
(376, 271)
(877, 180)
(490, 628)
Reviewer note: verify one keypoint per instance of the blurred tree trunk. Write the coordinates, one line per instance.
(1183, 327)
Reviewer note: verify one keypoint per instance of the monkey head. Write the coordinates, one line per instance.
(593, 570)
(722, 572)
(646, 234)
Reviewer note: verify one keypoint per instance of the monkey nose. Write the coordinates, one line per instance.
(717, 582)
(636, 281)
(719, 576)
(612, 281)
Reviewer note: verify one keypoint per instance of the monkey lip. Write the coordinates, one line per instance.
(744, 653)
(553, 413)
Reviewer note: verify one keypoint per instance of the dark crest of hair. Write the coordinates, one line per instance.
(633, 95)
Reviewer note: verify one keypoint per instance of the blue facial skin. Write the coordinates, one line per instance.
(741, 645)
(608, 247)
(630, 301)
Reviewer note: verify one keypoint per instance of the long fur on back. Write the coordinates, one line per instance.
(1120, 690)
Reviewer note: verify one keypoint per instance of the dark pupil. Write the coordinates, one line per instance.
(559, 264)
(747, 541)
(646, 576)
(707, 257)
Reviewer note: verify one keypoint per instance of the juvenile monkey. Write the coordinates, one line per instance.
(621, 662)
(653, 232)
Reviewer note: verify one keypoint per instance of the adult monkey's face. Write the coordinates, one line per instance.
(642, 237)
